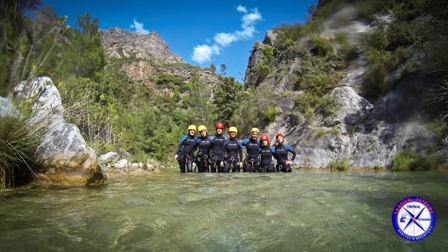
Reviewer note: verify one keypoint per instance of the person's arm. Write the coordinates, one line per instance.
(181, 145)
(211, 146)
(274, 152)
(196, 145)
(292, 151)
(224, 150)
(240, 151)
(243, 144)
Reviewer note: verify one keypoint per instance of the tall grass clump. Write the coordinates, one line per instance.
(411, 161)
(341, 165)
(18, 144)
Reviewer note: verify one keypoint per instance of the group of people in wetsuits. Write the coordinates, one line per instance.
(221, 153)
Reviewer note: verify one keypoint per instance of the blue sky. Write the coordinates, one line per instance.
(201, 32)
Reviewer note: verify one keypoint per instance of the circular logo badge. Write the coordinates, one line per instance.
(413, 218)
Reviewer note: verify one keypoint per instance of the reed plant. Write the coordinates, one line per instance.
(341, 165)
(18, 144)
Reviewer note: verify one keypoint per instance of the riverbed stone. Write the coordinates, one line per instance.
(108, 158)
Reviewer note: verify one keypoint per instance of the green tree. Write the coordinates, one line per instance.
(227, 99)
(85, 56)
(199, 107)
(257, 109)
(223, 69)
(212, 67)
(26, 46)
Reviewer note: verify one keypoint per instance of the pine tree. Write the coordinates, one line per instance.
(227, 99)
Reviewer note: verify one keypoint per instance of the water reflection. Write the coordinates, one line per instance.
(170, 211)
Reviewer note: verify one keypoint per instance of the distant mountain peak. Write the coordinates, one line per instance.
(121, 43)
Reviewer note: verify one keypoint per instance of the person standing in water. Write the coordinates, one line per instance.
(266, 153)
(205, 145)
(232, 152)
(252, 144)
(217, 146)
(281, 151)
(184, 154)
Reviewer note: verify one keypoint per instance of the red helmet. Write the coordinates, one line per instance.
(219, 125)
(264, 138)
(279, 135)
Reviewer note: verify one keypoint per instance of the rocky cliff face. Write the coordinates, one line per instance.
(364, 134)
(120, 43)
(145, 48)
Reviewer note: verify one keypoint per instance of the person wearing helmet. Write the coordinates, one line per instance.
(232, 152)
(281, 154)
(252, 144)
(184, 154)
(203, 155)
(266, 163)
(217, 146)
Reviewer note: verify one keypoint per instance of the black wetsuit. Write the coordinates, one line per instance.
(232, 153)
(252, 161)
(266, 163)
(218, 143)
(281, 154)
(203, 155)
(188, 144)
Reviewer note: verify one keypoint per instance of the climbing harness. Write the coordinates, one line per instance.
(252, 168)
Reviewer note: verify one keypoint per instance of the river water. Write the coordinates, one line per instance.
(171, 211)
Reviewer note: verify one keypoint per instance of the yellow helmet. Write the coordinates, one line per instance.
(191, 127)
(233, 129)
(201, 128)
(255, 129)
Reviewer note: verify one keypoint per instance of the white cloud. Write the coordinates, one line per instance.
(247, 33)
(138, 27)
(248, 28)
(203, 53)
(251, 18)
(225, 39)
(241, 9)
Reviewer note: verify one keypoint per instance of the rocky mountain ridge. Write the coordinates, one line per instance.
(120, 43)
(150, 58)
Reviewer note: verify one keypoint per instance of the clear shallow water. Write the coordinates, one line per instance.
(170, 211)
